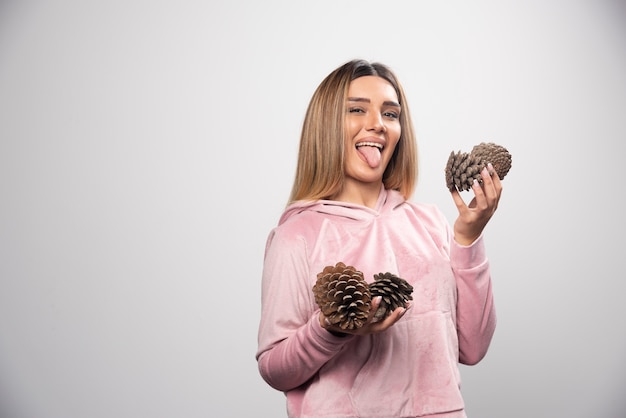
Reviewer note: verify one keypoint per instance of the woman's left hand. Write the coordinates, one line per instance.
(473, 217)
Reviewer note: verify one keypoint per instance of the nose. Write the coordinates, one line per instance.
(375, 123)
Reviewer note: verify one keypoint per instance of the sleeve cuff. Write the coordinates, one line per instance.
(325, 335)
(468, 256)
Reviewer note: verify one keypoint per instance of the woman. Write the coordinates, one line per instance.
(357, 167)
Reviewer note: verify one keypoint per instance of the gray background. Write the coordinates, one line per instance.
(148, 147)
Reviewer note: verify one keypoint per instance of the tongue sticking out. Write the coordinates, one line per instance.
(371, 155)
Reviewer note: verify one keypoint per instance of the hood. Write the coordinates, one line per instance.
(387, 201)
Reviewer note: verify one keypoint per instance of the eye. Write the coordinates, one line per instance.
(355, 110)
(391, 115)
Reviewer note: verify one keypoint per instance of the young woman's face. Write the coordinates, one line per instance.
(372, 128)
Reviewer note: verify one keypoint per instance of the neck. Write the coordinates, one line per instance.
(364, 194)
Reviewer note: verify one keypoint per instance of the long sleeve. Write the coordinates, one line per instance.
(297, 358)
(476, 314)
(292, 344)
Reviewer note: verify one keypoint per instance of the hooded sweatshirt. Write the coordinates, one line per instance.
(410, 369)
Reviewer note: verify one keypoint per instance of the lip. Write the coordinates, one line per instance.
(371, 140)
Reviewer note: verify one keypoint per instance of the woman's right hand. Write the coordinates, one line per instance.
(371, 326)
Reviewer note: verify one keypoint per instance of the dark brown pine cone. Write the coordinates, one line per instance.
(463, 168)
(343, 296)
(395, 292)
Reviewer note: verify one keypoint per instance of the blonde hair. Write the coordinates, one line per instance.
(320, 167)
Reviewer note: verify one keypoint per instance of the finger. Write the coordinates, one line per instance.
(397, 314)
(373, 308)
(491, 185)
(497, 181)
(493, 172)
(479, 192)
(487, 174)
(380, 325)
(458, 200)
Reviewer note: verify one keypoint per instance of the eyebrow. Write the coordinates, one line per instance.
(363, 99)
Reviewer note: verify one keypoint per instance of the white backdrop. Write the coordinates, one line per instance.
(148, 147)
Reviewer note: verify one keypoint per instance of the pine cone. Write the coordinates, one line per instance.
(463, 168)
(395, 292)
(343, 296)
(495, 154)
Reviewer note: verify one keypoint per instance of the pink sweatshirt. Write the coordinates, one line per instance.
(409, 370)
